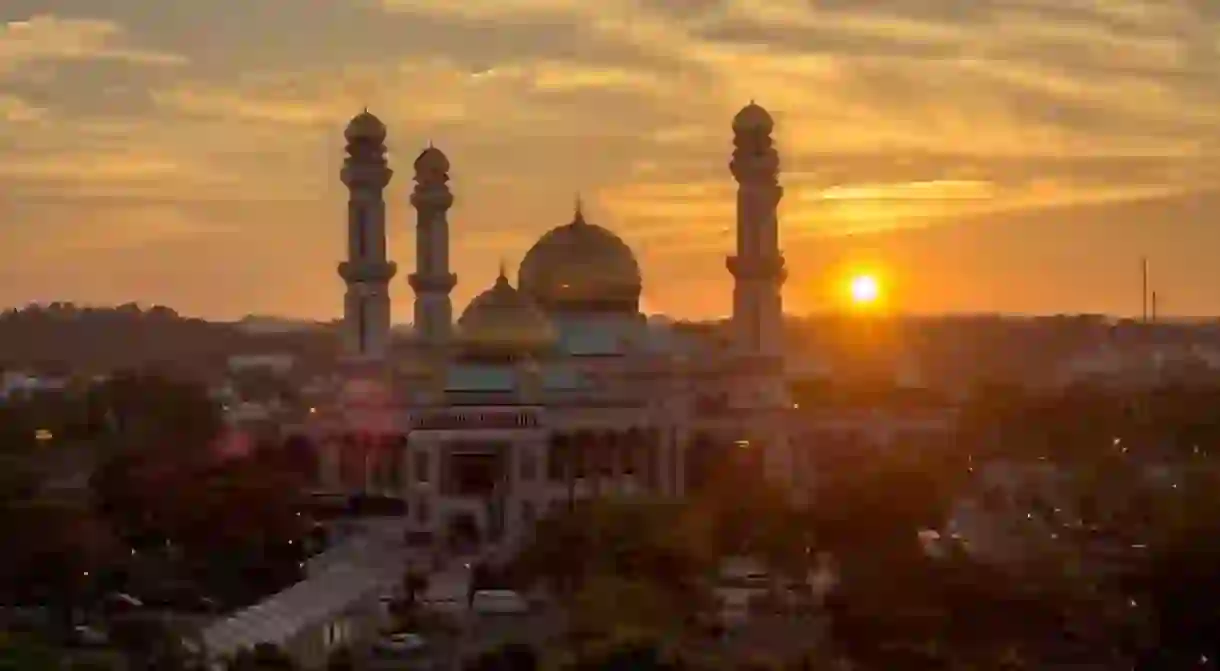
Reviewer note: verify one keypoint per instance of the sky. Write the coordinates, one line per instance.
(976, 155)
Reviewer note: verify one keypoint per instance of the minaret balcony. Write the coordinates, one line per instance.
(758, 268)
(432, 283)
(357, 174)
(377, 272)
(431, 197)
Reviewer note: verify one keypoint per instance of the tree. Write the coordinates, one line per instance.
(748, 514)
(897, 606)
(18, 480)
(1175, 583)
(625, 651)
(62, 554)
(151, 643)
(883, 505)
(24, 652)
(147, 410)
(607, 605)
(243, 511)
(414, 583)
(616, 563)
(508, 657)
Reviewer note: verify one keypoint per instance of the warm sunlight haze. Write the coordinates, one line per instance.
(186, 158)
(864, 290)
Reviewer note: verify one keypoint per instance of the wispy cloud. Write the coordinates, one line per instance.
(892, 115)
(934, 190)
(46, 37)
(15, 110)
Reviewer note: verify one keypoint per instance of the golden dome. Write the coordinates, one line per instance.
(365, 126)
(581, 266)
(502, 319)
(754, 118)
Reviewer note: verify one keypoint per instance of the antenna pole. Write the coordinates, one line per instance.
(1144, 293)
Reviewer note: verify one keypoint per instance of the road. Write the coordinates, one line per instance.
(447, 592)
(479, 634)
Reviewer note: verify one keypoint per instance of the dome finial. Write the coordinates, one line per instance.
(503, 270)
(754, 118)
(579, 214)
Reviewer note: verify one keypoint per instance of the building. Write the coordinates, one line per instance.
(556, 388)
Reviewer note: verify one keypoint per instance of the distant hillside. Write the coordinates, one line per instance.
(257, 324)
(62, 338)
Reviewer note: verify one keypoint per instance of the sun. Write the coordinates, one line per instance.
(865, 290)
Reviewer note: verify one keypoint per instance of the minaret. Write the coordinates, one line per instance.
(367, 272)
(432, 279)
(758, 266)
(758, 312)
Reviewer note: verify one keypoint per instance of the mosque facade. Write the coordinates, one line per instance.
(556, 389)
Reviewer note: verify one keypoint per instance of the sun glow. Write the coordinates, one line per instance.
(864, 290)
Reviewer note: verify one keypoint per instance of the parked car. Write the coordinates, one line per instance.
(402, 643)
(499, 602)
(87, 636)
(403, 650)
(120, 603)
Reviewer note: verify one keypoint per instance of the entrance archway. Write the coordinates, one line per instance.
(464, 534)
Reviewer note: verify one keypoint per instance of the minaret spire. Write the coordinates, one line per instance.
(758, 279)
(432, 280)
(367, 272)
(578, 216)
(758, 265)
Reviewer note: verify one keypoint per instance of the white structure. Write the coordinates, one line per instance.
(341, 602)
(558, 388)
(1138, 365)
(16, 384)
(276, 364)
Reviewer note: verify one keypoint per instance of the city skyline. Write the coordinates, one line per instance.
(1015, 157)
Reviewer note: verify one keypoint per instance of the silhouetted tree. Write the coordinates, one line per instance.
(508, 657)
(63, 552)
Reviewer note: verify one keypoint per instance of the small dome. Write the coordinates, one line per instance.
(365, 126)
(753, 117)
(581, 266)
(503, 320)
(432, 161)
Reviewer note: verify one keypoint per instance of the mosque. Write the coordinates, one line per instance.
(554, 390)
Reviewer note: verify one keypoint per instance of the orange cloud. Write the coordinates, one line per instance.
(47, 37)
(891, 115)
(16, 110)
